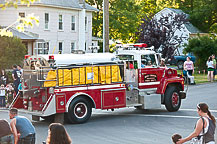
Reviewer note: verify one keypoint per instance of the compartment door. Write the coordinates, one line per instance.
(60, 103)
(113, 98)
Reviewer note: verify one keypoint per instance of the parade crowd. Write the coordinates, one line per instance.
(9, 90)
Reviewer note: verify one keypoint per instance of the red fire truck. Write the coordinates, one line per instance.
(70, 85)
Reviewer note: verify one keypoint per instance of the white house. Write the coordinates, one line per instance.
(187, 30)
(64, 25)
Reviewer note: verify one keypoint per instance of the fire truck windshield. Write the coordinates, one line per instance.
(148, 60)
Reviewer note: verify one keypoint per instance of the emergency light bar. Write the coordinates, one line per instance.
(27, 56)
(144, 45)
(51, 57)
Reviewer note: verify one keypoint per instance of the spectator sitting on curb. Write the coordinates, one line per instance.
(57, 134)
(6, 136)
(176, 138)
(22, 128)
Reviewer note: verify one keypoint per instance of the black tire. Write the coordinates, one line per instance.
(172, 99)
(180, 64)
(79, 110)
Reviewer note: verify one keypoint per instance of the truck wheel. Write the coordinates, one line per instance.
(172, 99)
(79, 110)
(180, 64)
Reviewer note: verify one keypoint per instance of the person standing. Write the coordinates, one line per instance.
(189, 66)
(16, 77)
(5, 132)
(2, 96)
(205, 128)
(4, 78)
(210, 69)
(21, 71)
(20, 68)
(214, 64)
(22, 128)
(57, 134)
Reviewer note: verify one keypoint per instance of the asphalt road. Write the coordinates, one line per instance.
(131, 126)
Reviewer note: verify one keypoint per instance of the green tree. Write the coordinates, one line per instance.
(124, 17)
(203, 13)
(202, 47)
(12, 51)
(97, 17)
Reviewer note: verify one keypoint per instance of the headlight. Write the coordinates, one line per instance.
(51, 90)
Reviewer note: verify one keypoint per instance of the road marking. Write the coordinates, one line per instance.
(213, 111)
(148, 115)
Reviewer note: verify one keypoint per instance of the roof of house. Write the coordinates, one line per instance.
(96, 38)
(22, 35)
(178, 11)
(62, 3)
(192, 29)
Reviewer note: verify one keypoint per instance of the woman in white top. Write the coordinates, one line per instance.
(210, 69)
(189, 66)
(205, 126)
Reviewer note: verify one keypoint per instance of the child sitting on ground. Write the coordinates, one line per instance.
(176, 138)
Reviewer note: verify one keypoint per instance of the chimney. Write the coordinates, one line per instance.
(82, 2)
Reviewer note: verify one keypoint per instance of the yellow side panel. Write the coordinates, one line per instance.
(67, 77)
(102, 74)
(96, 74)
(91, 75)
(82, 75)
(78, 76)
(50, 76)
(116, 77)
(60, 77)
(108, 74)
(75, 72)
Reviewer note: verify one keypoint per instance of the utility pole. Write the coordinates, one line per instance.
(105, 25)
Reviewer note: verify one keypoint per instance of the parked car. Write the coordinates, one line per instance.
(180, 59)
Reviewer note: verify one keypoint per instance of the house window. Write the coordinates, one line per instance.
(73, 23)
(22, 15)
(60, 22)
(85, 23)
(46, 48)
(42, 47)
(46, 21)
(72, 46)
(60, 47)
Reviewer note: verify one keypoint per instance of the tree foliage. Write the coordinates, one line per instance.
(12, 51)
(202, 47)
(161, 33)
(203, 13)
(123, 18)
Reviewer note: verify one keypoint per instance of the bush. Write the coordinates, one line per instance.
(202, 47)
(12, 51)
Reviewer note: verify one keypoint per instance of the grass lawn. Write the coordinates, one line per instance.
(199, 78)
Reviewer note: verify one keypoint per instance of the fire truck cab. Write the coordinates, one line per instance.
(73, 84)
